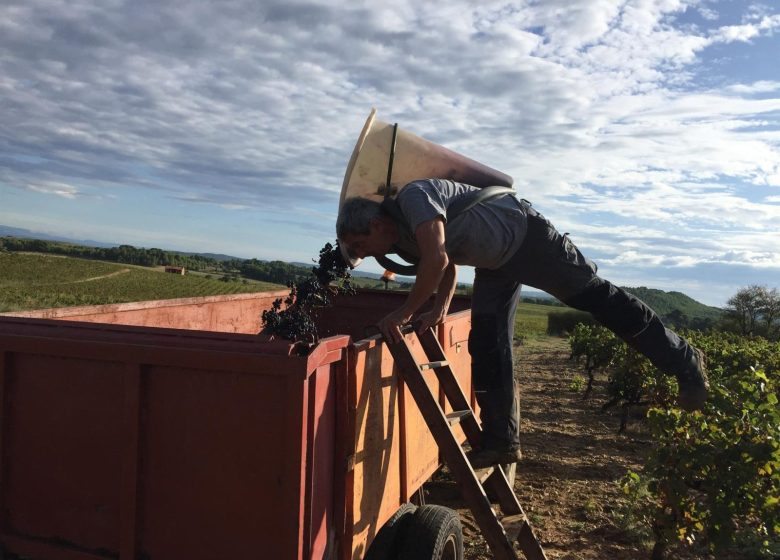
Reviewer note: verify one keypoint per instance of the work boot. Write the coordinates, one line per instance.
(485, 458)
(694, 384)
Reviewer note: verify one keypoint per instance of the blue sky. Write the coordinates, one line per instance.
(649, 130)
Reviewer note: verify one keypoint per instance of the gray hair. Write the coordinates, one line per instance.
(355, 216)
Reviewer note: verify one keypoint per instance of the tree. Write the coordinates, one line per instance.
(769, 307)
(677, 319)
(745, 307)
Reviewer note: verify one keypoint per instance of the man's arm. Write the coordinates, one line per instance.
(430, 273)
(441, 304)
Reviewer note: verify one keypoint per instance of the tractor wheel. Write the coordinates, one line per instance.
(388, 540)
(434, 533)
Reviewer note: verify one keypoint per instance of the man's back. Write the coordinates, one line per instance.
(485, 236)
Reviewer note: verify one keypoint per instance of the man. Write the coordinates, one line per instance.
(509, 244)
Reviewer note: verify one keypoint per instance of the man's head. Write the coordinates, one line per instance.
(363, 230)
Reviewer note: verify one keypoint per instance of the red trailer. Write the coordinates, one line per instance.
(169, 430)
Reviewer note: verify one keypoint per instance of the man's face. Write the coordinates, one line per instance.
(379, 241)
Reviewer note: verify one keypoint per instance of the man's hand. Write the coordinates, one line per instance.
(434, 271)
(429, 319)
(390, 326)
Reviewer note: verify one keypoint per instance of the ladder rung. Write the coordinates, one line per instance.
(513, 525)
(455, 417)
(483, 474)
(434, 365)
(518, 529)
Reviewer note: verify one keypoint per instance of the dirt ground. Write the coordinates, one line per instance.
(572, 461)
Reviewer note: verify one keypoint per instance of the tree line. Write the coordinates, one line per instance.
(125, 254)
(277, 272)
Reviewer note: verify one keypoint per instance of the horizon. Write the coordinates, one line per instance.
(526, 290)
(648, 130)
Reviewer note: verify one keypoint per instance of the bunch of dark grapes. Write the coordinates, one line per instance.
(297, 321)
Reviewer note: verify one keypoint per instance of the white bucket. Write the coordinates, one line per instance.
(414, 158)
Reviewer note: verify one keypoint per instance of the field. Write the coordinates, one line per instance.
(531, 320)
(35, 281)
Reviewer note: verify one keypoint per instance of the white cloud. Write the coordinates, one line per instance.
(753, 259)
(763, 86)
(57, 189)
(592, 105)
(732, 33)
(745, 32)
(708, 13)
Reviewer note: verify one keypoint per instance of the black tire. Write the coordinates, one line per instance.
(387, 542)
(435, 533)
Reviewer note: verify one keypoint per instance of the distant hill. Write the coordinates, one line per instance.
(665, 303)
(216, 256)
(8, 231)
(535, 294)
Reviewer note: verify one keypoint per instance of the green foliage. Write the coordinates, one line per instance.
(597, 345)
(716, 474)
(277, 272)
(577, 384)
(29, 281)
(713, 477)
(630, 515)
(632, 378)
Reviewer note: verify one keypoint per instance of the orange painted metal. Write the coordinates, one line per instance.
(163, 440)
(230, 313)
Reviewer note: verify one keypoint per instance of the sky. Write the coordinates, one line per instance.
(648, 130)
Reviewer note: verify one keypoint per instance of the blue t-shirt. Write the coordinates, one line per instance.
(485, 236)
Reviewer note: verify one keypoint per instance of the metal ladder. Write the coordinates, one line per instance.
(513, 525)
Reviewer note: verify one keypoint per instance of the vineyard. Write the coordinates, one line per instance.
(712, 479)
(32, 281)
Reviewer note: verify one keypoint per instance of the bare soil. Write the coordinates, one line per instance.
(573, 460)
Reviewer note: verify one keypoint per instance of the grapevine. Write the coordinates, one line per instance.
(712, 479)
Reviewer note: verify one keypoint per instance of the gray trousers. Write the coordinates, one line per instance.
(550, 262)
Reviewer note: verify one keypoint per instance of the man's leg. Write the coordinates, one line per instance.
(551, 262)
(637, 324)
(494, 303)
